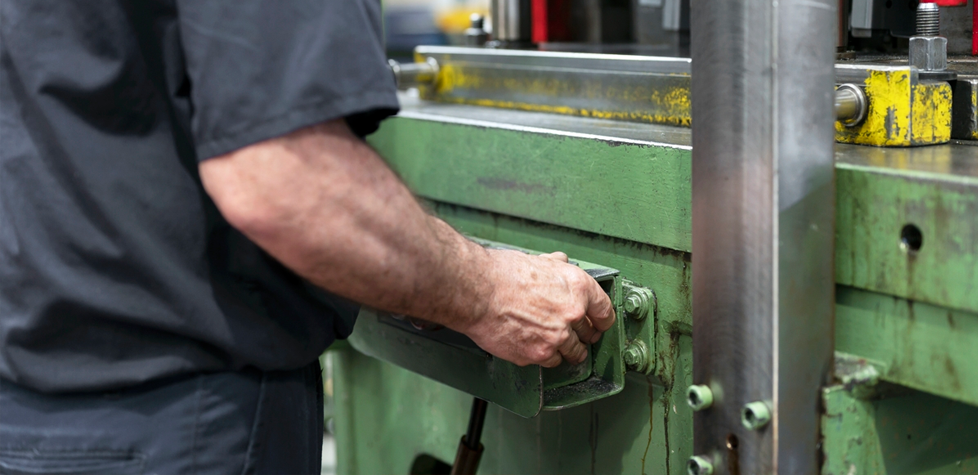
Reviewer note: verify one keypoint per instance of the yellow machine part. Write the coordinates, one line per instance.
(974, 107)
(901, 114)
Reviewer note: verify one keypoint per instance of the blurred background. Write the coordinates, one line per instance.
(409, 23)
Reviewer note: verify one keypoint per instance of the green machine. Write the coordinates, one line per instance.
(793, 296)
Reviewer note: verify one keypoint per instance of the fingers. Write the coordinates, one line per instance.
(572, 349)
(553, 361)
(585, 331)
(599, 308)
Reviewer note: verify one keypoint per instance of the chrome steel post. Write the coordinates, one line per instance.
(408, 75)
(511, 20)
(851, 104)
(763, 214)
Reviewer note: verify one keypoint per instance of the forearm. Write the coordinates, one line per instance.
(325, 205)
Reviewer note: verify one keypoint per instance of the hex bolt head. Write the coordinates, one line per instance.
(633, 303)
(636, 356)
(639, 303)
(699, 465)
(928, 53)
(755, 415)
(699, 397)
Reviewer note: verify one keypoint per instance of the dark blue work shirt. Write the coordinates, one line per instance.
(115, 266)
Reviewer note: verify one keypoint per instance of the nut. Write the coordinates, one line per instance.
(699, 397)
(636, 356)
(639, 303)
(755, 415)
(699, 465)
(928, 53)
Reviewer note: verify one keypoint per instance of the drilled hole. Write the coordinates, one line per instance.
(911, 238)
(732, 442)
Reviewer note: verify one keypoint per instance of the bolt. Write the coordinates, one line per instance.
(637, 356)
(699, 465)
(755, 415)
(928, 19)
(699, 397)
(639, 302)
(928, 49)
(476, 35)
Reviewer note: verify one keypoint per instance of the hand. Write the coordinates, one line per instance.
(542, 310)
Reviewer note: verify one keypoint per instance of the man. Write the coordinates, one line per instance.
(174, 175)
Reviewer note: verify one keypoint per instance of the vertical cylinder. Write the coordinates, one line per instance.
(842, 26)
(511, 20)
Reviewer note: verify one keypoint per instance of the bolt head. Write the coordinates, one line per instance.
(633, 303)
(632, 356)
(928, 53)
(636, 356)
(639, 303)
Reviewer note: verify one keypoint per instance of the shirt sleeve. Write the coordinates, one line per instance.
(259, 69)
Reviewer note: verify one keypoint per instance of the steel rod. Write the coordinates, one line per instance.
(477, 419)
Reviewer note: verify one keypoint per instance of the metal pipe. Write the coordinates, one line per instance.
(850, 104)
(408, 75)
(477, 419)
(511, 20)
(842, 27)
(469, 448)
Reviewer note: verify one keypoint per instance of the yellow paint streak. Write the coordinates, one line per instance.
(650, 103)
(974, 107)
(931, 122)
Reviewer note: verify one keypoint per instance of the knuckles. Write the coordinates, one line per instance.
(541, 353)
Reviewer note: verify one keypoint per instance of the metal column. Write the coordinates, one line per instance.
(763, 211)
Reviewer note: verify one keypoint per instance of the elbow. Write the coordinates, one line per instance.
(242, 201)
(256, 219)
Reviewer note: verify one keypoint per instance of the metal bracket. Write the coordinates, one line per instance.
(453, 359)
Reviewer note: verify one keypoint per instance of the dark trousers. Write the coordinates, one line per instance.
(235, 422)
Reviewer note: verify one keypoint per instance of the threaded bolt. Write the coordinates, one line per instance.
(928, 19)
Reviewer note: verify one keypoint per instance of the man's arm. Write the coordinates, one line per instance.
(324, 204)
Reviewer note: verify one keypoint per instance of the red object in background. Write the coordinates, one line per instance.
(974, 18)
(550, 20)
